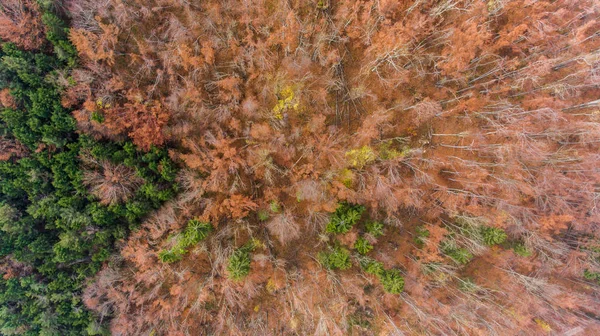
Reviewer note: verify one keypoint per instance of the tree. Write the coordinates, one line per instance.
(21, 24)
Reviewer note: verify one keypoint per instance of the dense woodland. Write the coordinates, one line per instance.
(283, 167)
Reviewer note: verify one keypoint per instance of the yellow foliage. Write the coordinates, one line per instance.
(294, 323)
(323, 4)
(387, 152)
(441, 277)
(346, 176)
(361, 157)
(270, 286)
(543, 324)
(287, 100)
(256, 243)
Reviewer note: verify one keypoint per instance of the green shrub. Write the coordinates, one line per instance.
(461, 255)
(592, 276)
(522, 250)
(337, 258)
(458, 254)
(363, 246)
(372, 266)
(97, 117)
(194, 232)
(263, 215)
(392, 281)
(170, 256)
(239, 262)
(374, 228)
(421, 234)
(275, 207)
(344, 218)
(493, 236)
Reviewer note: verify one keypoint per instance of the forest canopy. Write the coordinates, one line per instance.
(271, 167)
(65, 198)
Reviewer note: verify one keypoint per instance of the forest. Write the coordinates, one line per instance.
(285, 167)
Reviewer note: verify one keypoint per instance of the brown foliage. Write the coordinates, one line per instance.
(111, 183)
(481, 109)
(237, 206)
(11, 148)
(21, 22)
(6, 100)
(94, 47)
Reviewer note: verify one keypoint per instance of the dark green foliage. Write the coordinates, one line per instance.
(39, 118)
(374, 228)
(239, 262)
(194, 232)
(48, 219)
(344, 218)
(337, 258)
(57, 33)
(392, 281)
(493, 236)
(363, 246)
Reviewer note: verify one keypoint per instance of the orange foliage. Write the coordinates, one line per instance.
(21, 24)
(6, 100)
(482, 109)
(96, 47)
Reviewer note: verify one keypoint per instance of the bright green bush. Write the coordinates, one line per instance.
(372, 266)
(493, 236)
(392, 281)
(239, 262)
(274, 206)
(363, 246)
(337, 258)
(521, 250)
(592, 276)
(194, 232)
(344, 218)
(374, 228)
(458, 254)
(263, 215)
(170, 256)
